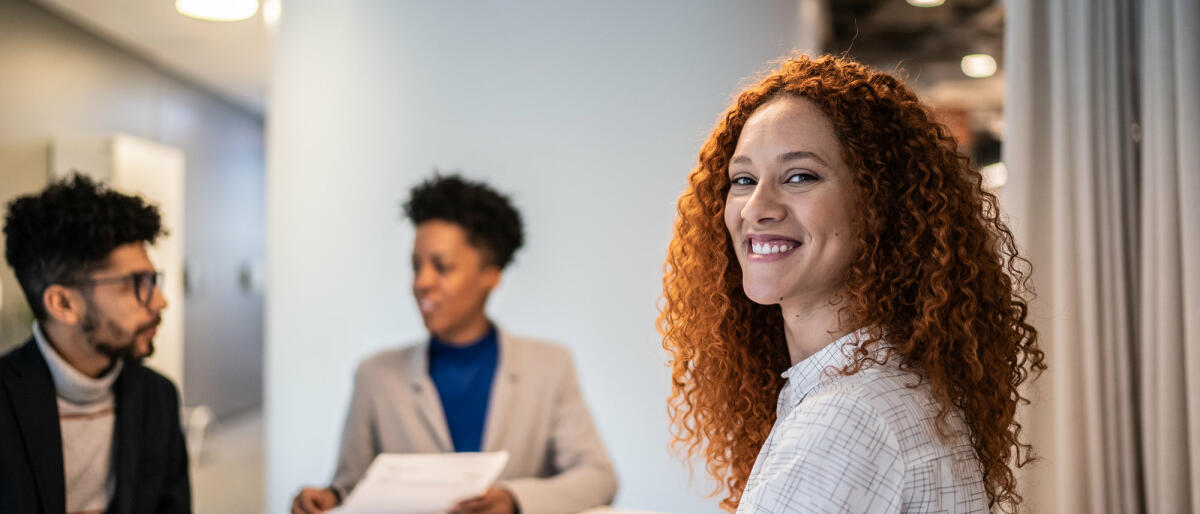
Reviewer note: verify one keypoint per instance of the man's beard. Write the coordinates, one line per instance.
(109, 339)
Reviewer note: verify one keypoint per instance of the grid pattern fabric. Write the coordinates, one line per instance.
(861, 443)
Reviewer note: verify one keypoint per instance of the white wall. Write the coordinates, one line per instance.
(591, 114)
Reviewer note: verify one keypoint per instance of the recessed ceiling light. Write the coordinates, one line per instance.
(978, 65)
(926, 3)
(217, 10)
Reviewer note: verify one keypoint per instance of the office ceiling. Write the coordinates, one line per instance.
(232, 60)
(927, 44)
(229, 58)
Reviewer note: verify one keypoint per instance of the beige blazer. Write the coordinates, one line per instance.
(557, 462)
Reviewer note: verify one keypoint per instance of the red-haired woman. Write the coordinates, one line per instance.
(845, 306)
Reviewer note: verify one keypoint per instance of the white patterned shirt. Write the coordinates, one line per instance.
(861, 443)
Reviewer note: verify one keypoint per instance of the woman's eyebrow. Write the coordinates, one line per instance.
(784, 157)
(801, 154)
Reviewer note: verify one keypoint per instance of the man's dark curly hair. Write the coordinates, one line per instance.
(67, 231)
(489, 218)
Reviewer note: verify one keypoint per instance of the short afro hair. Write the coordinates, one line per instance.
(67, 231)
(489, 218)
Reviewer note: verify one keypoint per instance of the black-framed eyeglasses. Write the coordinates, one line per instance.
(143, 283)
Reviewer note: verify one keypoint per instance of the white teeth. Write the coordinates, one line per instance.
(768, 248)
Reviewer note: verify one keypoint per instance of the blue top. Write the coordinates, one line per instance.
(463, 377)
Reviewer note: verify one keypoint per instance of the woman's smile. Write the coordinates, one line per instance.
(770, 248)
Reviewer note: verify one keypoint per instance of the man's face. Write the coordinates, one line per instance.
(116, 322)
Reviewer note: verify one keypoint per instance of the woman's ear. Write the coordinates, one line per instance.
(492, 276)
(63, 304)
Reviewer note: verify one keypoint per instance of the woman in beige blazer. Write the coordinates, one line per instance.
(472, 387)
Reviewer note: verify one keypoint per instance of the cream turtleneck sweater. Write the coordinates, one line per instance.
(86, 417)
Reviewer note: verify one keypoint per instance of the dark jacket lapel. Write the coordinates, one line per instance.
(130, 397)
(36, 408)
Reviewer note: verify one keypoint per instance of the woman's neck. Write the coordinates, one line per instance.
(810, 326)
(467, 332)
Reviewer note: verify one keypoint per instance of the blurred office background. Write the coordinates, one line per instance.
(303, 125)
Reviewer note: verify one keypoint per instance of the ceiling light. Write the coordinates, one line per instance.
(271, 9)
(926, 3)
(217, 10)
(978, 65)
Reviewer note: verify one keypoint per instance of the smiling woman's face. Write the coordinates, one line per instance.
(789, 210)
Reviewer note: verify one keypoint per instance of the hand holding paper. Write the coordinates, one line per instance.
(496, 500)
(422, 483)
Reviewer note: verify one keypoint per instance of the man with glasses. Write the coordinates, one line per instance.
(84, 427)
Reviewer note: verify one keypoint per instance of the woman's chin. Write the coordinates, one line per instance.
(762, 295)
(431, 326)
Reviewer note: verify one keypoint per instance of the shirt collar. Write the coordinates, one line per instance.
(70, 383)
(476, 347)
(805, 376)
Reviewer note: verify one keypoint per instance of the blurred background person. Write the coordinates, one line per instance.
(86, 427)
(471, 386)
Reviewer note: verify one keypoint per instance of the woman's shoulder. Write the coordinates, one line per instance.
(875, 380)
(886, 387)
(834, 415)
(897, 399)
(538, 347)
(391, 360)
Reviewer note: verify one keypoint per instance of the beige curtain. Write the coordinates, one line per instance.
(1101, 145)
(1169, 335)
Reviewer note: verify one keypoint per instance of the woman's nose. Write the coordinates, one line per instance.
(423, 278)
(764, 205)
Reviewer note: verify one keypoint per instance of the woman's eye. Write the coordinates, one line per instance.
(801, 178)
(742, 181)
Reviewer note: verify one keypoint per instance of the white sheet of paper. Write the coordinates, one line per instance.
(423, 483)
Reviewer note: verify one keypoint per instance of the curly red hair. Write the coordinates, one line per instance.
(937, 271)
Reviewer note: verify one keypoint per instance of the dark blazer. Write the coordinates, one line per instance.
(148, 449)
